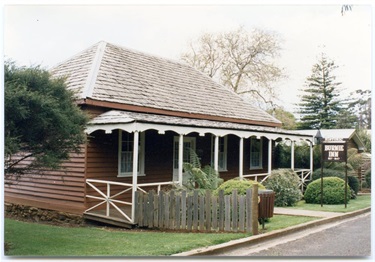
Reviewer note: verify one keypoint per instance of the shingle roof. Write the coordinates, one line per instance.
(106, 72)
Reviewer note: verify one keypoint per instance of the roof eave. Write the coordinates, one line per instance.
(143, 109)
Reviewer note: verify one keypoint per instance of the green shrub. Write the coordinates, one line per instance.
(328, 173)
(333, 191)
(285, 184)
(353, 181)
(237, 183)
(368, 177)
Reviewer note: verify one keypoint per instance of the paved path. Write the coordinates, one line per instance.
(300, 212)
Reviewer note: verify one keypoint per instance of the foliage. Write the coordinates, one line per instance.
(333, 191)
(241, 61)
(285, 184)
(287, 119)
(237, 183)
(356, 111)
(320, 104)
(360, 106)
(42, 120)
(353, 181)
(282, 155)
(200, 178)
(368, 177)
(365, 137)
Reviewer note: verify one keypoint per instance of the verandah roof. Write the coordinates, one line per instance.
(134, 121)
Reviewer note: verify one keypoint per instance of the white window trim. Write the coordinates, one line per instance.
(260, 154)
(224, 168)
(141, 156)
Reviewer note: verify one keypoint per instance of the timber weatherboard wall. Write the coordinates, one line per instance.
(61, 190)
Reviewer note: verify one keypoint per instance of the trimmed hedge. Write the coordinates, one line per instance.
(333, 191)
(236, 183)
(353, 181)
(284, 182)
(368, 177)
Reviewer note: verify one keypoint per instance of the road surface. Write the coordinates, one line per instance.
(346, 238)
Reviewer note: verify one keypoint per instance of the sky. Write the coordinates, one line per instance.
(38, 33)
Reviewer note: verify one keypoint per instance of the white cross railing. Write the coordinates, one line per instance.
(109, 200)
(255, 177)
(304, 175)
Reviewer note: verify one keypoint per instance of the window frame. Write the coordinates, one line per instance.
(260, 141)
(224, 154)
(141, 155)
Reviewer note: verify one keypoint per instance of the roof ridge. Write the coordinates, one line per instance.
(91, 78)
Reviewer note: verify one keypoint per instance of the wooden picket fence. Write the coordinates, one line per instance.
(194, 212)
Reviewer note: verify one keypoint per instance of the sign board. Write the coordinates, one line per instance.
(334, 152)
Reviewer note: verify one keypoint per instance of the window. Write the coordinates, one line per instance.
(256, 153)
(126, 146)
(223, 141)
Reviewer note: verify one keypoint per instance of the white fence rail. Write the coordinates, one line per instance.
(109, 200)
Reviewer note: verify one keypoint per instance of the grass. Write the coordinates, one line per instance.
(362, 201)
(32, 239)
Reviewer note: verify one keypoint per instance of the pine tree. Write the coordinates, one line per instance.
(320, 105)
(42, 121)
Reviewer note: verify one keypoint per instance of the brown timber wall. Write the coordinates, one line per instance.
(61, 190)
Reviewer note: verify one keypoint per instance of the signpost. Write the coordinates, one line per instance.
(334, 150)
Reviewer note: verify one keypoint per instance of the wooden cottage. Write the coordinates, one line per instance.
(146, 113)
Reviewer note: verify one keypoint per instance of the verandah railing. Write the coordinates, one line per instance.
(193, 212)
(304, 175)
(109, 200)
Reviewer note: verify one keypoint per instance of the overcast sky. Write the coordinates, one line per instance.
(48, 34)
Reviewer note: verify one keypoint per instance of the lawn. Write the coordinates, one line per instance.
(33, 239)
(362, 201)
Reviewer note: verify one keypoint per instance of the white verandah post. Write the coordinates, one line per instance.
(180, 158)
(241, 159)
(135, 171)
(216, 154)
(292, 155)
(269, 156)
(311, 158)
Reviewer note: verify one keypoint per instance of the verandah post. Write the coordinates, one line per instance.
(269, 156)
(216, 154)
(180, 158)
(241, 159)
(292, 156)
(135, 171)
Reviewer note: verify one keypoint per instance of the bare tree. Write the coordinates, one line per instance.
(241, 61)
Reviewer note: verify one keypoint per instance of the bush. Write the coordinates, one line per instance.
(368, 177)
(328, 173)
(333, 191)
(237, 183)
(284, 182)
(353, 181)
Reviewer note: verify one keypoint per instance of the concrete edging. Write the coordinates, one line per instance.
(212, 250)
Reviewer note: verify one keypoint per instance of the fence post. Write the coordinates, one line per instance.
(234, 211)
(254, 210)
(208, 210)
(248, 203)
(221, 210)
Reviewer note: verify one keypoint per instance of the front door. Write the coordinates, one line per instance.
(189, 143)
